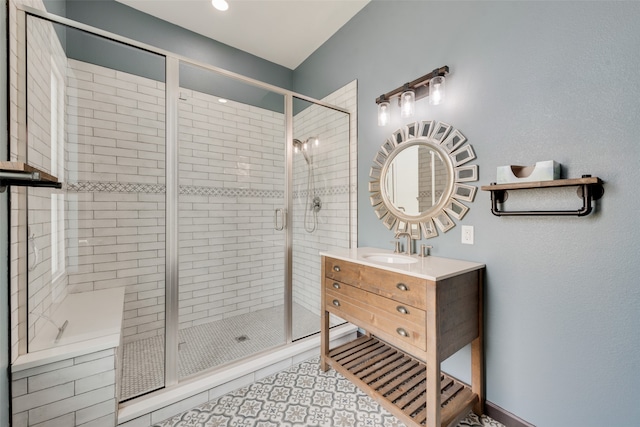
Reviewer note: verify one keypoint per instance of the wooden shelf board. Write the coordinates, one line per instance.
(398, 382)
(542, 184)
(25, 168)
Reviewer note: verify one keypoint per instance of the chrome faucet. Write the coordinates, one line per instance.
(407, 248)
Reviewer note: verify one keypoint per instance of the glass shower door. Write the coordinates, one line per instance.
(231, 169)
(95, 116)
(321, 214)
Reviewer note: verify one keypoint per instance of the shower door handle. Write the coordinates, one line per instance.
(279, 213)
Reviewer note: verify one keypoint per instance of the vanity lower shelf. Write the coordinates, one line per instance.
(398, 381)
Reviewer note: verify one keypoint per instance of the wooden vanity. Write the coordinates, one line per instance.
(415, 315)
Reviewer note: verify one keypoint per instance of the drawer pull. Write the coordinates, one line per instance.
(402, 309)
(402, 287)
(402, 332)
(336, 268)
(336, 285)
(336, 303)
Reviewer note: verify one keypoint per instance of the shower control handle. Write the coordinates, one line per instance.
(279, 213)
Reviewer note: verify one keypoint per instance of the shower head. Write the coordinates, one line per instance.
(305, 147)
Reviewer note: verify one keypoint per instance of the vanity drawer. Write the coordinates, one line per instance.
(342, 271)
(394, 329)
(377, 303)
(399, 287)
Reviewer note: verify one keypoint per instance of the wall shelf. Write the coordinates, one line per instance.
(589, 188)
(21, 174)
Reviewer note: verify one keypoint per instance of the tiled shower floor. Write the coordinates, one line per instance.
(208, 345)
(300, 396)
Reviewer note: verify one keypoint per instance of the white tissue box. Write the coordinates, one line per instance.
(547, 170)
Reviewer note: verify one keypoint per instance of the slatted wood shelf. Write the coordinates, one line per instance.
(398, 381)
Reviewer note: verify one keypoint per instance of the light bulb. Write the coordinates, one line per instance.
(304, 146)
(407, 103)
(221, 5)
(383, 113)
(436, 90)
(317, 142)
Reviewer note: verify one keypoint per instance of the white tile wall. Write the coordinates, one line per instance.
(231, 163)
(116, 191)
(72, 392)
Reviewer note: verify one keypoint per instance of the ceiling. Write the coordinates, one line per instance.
(285, 32)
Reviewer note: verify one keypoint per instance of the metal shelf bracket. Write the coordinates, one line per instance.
(589, 188)
(19, 174)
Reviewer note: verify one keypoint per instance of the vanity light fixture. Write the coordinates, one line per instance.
(221, 5)
(431, 85)
(383, 111)
(407, 102)
(436, 90)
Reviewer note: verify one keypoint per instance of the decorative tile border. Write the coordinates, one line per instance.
(193, 190)
(328, 191)
(113, 187)
(230, 192)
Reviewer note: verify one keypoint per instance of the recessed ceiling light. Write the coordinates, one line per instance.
(220, 4)
(222, 100)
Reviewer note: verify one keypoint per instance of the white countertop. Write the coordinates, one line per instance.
(430, 267)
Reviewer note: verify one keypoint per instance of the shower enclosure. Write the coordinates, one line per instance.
(203, 194)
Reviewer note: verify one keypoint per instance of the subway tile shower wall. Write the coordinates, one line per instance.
(115, 190)
(230, 182)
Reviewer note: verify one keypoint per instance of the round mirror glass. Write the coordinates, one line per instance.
(416, 179)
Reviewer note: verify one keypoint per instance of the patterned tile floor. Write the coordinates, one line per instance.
(208, 345)
(300, 396)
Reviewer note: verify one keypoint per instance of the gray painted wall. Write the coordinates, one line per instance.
(4, 229)
(530, 81)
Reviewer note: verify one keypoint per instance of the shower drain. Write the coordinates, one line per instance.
(242, 338)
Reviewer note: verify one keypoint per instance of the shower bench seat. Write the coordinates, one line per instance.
(66, 376)
(415, 316)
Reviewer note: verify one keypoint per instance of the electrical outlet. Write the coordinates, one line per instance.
(467, 234)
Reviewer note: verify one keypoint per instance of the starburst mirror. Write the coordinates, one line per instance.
(419, 179)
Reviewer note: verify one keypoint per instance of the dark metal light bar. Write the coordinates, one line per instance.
(419, 85)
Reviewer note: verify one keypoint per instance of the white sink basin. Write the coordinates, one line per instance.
(390, 258)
